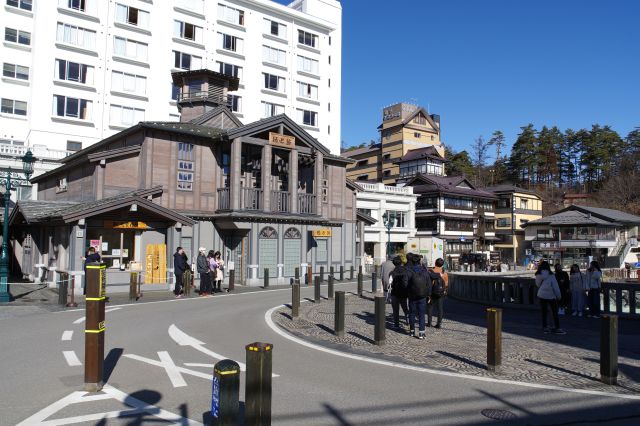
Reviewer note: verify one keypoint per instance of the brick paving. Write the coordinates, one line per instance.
(529, 355)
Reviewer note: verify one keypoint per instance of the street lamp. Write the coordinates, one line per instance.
(6, 179)
(389, 218)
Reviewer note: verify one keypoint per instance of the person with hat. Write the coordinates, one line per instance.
(202, 266)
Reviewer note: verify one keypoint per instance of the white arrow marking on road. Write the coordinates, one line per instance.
(72, 358)
(67, 335)
(172, 370)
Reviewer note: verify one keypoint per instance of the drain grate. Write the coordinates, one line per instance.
(494, 414)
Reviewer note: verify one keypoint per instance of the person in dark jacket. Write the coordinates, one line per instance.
(179, 266)
(91, 257)
(419, 293)
(399, 291)
(565, 288)
(202, 265)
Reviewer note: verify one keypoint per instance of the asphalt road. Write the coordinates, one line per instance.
(155, 361)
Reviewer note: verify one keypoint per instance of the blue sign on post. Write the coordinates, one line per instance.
(215, 398)
(462, 238)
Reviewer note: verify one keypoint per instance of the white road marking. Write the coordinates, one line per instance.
(72, 358)
(281, 332)
(67, 335)
(115, 308)
(197, 364)
(171, 368)
(79, 320)
(82, 319)
(207, 376)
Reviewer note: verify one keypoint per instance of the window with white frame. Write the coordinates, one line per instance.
(274, 82)
(306, 90)
(274, 28)
(65, 106)
(76, 36)
(73, 71)
(15, 71)
(11, 106)
(187, 31)
(130, 48)
(306, 117)
(132, 15)
(230, 70)
(21, 4)
(184, 61)
(79, 5)
(186, 166)
(235, 103)
(269, 109)
(131, 83)
(271, 54)
(74, 146)
(307, 65)
(230, 14)
(17, 36)
(125, 116)
(308, 39)
(231, 43)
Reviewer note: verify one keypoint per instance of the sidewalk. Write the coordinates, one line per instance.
(529, 355)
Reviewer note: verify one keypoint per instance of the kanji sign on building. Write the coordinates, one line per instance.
(321, 233)
(282, 141)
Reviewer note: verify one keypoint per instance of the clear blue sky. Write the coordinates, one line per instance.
(492, 64)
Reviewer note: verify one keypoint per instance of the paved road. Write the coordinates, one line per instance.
(157, 381)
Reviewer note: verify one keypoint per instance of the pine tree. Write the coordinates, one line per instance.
(480, 148)
(499, 169)
(522, 162)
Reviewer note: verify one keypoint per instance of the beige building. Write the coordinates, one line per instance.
(404, 127)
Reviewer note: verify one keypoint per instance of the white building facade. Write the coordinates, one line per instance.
(398, 202)
(78, 71)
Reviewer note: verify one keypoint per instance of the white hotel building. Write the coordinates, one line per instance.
(78, 71)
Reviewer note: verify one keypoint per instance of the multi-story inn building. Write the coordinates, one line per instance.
(404, 127)
(78, 71)
(428, 161)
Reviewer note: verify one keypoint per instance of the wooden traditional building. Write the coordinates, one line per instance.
(265, 194)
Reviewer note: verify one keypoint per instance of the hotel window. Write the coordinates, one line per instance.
(235, 103)
(123, 82)
(226, 163)
(185, 61)
(130, 48)
(17, 36)
(229, 14)
(307, 39)
(193, 5)
(230, 70)
(185, 166)
(386, 156)
(15, 71)
(11, 106)
(271, 54)
(231, 43)
(76, 36)
(362, 163)
(399, 218)
(273, 82)
(306, 90)
(22, 4)
(502, 222)
(274, 28)
(74, 146)
(79, 5)
(132, 16)
(73, 71)
(427, 202)
(307, 65)
(309, 118)
(64, 106)
(504, 203)
(270, 110)
(362, 177)
(524, 204)
(62, 184)
(416, 135)
(187, 31)
(175, 92)
(125, 116)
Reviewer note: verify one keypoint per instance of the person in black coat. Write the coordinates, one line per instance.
(179, 267)
(565, 288)
(399, 291)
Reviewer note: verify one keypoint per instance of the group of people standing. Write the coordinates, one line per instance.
(417, 290)
(209, 265)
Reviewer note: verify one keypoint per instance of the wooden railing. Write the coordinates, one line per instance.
(224, 200)
(251, 199)
(306, 203)
(280, 201)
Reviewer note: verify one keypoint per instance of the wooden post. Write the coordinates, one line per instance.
(494, 339)
(609, 349)
(94, 327)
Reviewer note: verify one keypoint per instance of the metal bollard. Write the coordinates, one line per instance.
(609, 349)
(331, 271)
(330, 288)
(94, 327)
(62, 291)
(494, 339)
(359, 269)
(295, 300)
(266, 277)
(380, 313)
(133, 286)
(351, 273)
(321, 273)
(341, 273)
(360, 284)
(258, 384)
(374, 283)
(232, 280)
(72, 303)
(338, 321)
(296, 275)
(316, 288)
(225, 393)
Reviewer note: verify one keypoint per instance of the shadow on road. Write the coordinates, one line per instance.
(111, 361)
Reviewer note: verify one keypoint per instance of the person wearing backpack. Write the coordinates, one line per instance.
(399, 291)
(439, 288)
(549, 295)
(419, 292)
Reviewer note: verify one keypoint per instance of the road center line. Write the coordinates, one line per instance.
(67, 335)
(72, 358)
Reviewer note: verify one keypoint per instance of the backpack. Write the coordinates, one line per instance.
(437, 286)
(418, 285)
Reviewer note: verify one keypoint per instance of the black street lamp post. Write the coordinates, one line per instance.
(388, 219)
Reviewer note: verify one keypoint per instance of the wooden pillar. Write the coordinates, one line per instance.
(318, 172)
(266, 177)
(235, 166)
(293, 180)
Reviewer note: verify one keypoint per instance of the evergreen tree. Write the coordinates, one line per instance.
(459, 164)
(499, 169)
(522, 162)
(480, 148)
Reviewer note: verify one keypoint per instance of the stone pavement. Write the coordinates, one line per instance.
(529, 355)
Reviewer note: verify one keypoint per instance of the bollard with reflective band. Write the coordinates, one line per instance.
(316, 289)
(266, 277)
(374, 283)
(339, 314)
(609, 349)
(295, 300)
(360, 284)
(380, 314)
(232, 280)
(321, 273)
(330, 288)
(225, 393)
(341, 273)
(257, 396)
(94, 327)
(494, 339)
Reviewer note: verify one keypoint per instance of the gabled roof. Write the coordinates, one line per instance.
(222, 109)
(608, 214)
(423, 184)
(353, 152)
(571, 218)
(426, 152)
(425, 113)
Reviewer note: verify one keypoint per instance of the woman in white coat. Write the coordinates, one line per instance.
(578, 286)
(549, 295)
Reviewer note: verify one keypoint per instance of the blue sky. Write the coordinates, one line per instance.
(492, 64)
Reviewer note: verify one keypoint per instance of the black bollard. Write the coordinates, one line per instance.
(380, 313)
(331, 271)
(339, 314)
(94, 327)
(316, 288)
(360, 278)
(225, 393)
(341, 273)
(494, 339)
(232, 280)
(330, 288)
(296, 275)
(609, 349)
(258, 384)
(266, 277)
(295, 300)
(321, 273)
(351, 273)
(374, 283)
(360, 269)
(72, 303)
(62, 291)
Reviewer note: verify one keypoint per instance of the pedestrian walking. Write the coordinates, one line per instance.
(565, 289)
(386, 269)
(594, 285)
(219, 276)
(578, 285)
(438, 296)
(179, 267)
(202, 266)
(549, 295)
(419, 292)
(399, 291)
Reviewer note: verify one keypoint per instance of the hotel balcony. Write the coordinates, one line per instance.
(252, 199)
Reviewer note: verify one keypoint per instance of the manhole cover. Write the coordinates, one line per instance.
(498, 414)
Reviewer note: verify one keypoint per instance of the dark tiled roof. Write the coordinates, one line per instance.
(426, 152)
(184, 128)
(502, 189)
(447, 185)
(572, 218)
(611, 214)
(38, 211)
(222, 109)
(358, 151)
